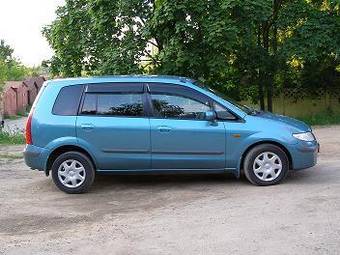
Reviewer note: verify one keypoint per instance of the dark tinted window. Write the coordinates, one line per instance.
(90, 104)
(178, 107)
(223, 113)
(129, 105)
(120, 104)
(68, 100)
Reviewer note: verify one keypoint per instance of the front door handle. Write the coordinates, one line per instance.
(164, 129)
(87, 126)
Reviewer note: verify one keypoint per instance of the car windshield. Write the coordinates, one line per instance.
(245, 108)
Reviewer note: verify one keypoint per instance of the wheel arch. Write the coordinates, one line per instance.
(281, 146)
(62, 149)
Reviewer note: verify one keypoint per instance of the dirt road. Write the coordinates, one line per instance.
(197, 214)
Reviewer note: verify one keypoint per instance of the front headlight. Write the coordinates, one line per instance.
(306, 136)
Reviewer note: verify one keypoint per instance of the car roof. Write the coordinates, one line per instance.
(123, 78)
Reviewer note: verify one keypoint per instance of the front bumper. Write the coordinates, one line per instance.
(35, 157)
(304, 154)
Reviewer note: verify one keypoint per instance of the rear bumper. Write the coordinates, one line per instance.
(35, 157)
(304, 154)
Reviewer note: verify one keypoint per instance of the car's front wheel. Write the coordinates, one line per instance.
(73, 172)
(266, 164)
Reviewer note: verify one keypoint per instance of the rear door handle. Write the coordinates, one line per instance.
(164, 129)
(87, 126)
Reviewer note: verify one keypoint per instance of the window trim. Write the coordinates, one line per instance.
(115, 87)
(189, 92)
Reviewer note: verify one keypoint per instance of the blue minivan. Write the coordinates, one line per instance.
(81, 127)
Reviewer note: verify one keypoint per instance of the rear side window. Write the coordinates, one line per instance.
(109, 104)
(90, 104)
(67, 101)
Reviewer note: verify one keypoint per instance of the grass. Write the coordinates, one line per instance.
(323, 118)
(11, 139)
(11, 155)
(12, 117)
(20, 114)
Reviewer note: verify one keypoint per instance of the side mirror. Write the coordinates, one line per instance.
(210, 116)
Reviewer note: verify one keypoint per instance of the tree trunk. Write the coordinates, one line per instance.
(271, 65)
(270, 86)
(266, 78)
(260, 76)
(270, 96)
(271, 80)
(261, 94)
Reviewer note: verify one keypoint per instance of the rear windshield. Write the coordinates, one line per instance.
(68, 100)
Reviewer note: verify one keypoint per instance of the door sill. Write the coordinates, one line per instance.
(158, 171)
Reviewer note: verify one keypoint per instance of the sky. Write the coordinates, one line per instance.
(21, 22)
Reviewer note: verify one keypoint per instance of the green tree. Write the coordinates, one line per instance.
(98, 37)
(5, 57)
(3, 74)
(6, 52)
(10, 68)
(241, 47)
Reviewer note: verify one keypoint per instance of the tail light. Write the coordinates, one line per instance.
(28, 130)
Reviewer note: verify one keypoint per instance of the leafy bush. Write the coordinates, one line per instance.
(11, 138)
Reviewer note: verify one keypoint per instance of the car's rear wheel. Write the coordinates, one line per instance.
(73, 172)
(266, 164)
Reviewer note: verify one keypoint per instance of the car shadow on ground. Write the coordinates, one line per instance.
(104, 182)
(150, 180)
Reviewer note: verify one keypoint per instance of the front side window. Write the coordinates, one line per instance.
(223, 113)
(129, 105)
(178, 107)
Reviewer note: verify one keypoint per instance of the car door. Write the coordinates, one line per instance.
(113, 125)
(181, 138)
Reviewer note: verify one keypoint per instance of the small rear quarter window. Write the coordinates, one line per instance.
(67, 101)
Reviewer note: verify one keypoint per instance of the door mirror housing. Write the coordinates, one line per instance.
(210, 116)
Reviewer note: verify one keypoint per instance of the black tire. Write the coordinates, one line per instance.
(88, 168)
(257, 151)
